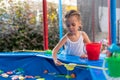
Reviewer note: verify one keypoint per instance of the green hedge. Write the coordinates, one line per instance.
(27, 38)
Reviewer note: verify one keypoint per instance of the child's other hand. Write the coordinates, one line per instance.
(83, 56)
(57, 62)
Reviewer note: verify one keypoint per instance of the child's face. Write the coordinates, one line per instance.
(73, 24)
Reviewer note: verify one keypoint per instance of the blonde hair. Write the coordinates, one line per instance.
(73, 13)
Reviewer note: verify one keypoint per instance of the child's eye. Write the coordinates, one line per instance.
(73, 24)
(68, 25)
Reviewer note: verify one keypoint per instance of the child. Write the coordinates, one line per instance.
(74, 40)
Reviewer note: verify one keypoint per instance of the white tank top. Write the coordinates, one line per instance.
(75, 48)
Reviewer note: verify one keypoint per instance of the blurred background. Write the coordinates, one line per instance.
(21, 22)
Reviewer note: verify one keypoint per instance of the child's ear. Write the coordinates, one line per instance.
(80, 24)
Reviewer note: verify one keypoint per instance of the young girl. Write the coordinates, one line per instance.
(75, 40)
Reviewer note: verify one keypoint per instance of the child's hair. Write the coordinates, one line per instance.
(73, 13)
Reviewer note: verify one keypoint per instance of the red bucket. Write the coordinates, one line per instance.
(93, 50)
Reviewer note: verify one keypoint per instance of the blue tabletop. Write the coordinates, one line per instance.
(66, 58)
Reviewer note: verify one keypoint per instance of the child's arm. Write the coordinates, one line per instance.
(85, 37)
(56, 49)
(86, 40)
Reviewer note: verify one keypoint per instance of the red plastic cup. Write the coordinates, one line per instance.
(93, 50)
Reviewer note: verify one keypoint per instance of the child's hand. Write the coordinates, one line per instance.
(57, 62)
(83, 56)
(107, 52)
